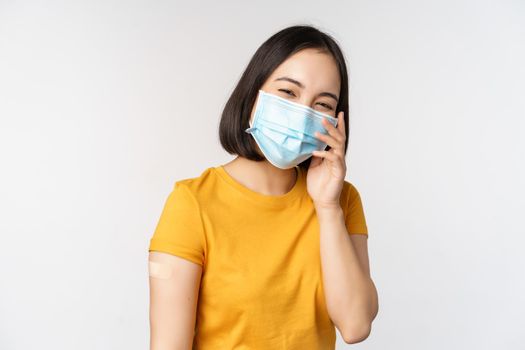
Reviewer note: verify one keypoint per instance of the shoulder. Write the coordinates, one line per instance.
(349, 195)
(353, 209)
(198, 186)
(349, 190)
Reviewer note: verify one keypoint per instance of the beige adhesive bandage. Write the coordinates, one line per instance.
(161, 270)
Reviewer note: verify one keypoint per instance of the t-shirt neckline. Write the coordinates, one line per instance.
(268, 200)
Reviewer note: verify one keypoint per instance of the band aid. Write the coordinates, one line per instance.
(161, 270)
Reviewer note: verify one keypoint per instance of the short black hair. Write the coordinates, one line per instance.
(276, 49)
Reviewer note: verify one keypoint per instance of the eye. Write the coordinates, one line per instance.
(326, 106)
(289, 92)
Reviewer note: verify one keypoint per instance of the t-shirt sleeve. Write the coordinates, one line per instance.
(179, 230)
(355, 216)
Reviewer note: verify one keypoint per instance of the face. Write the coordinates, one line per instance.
(307, 77)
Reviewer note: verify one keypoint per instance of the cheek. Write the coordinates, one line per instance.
(253, 109)
(251, 116)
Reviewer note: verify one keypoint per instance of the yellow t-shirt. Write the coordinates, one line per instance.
(261, 286)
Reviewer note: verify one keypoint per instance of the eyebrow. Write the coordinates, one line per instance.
(298, 83)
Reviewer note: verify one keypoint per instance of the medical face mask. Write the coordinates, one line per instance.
(285, 130)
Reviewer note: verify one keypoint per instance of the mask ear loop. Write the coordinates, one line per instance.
(162, 270)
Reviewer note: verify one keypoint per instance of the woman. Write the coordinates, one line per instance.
(269, 251)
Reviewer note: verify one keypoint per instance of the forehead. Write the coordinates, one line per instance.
(317, 71)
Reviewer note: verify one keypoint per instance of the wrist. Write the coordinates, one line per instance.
(328, 210)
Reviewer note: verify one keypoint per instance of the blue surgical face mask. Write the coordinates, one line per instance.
(285, 130)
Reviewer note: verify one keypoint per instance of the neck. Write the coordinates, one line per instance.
(262, 177)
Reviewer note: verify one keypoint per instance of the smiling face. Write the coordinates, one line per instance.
(308, 77)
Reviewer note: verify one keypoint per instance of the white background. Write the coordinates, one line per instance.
(104, 104)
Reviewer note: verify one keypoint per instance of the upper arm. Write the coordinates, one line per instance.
(180, 229)
(173, 301)
(354, 212)
(176, 260)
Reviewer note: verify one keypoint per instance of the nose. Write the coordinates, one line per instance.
(307, 101)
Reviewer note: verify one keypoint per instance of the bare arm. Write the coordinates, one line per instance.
(174, 289)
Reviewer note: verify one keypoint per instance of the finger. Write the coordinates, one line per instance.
(329, 140)
(341, 123)
(333, 131)
(338, 151)
(327, 155)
